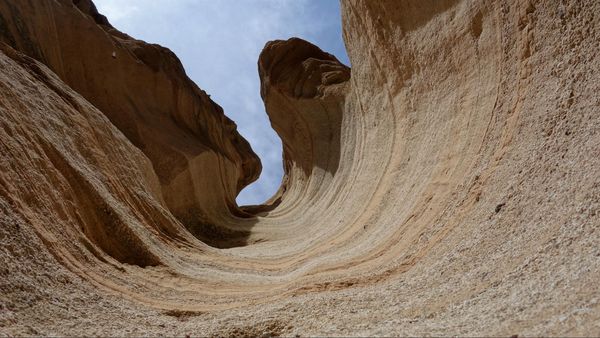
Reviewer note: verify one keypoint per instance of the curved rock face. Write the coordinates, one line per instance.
(303, 89)
(145, 93)
(448, 184)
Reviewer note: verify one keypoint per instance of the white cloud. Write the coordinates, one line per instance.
(117, 10)
(218, 42)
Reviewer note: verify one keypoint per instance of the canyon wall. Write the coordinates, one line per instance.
(448, 183)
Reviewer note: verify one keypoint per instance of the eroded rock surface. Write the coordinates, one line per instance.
(448, 184)
(200, 159)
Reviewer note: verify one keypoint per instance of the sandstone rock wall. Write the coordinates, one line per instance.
(448, 183)
(200, 159)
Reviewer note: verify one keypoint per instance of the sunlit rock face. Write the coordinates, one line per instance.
(199, 158)
(449, 183)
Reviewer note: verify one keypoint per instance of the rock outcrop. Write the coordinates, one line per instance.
(201, 161)
(448, 184)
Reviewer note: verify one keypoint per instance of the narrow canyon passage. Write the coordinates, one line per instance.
(449, 179)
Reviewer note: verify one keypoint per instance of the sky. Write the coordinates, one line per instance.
(218, 42)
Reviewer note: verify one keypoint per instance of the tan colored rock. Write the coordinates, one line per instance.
(448, 185)
(303, 89)
(200, 159)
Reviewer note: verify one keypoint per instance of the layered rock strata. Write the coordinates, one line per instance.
(200, 160)
(448, 184)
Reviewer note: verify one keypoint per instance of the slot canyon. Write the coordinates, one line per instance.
(447, 183)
